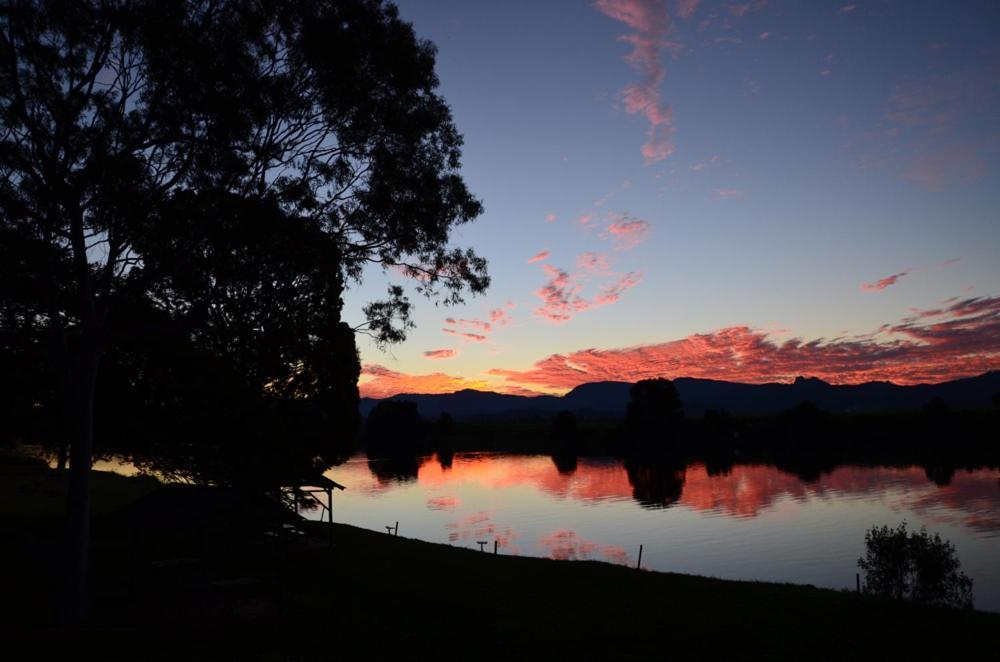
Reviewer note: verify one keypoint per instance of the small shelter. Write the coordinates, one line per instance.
(309, 490)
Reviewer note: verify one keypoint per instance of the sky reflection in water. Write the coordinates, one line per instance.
(752, 522)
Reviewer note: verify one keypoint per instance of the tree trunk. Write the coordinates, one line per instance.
(77, 544)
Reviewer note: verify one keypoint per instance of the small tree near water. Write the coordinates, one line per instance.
(914, 565)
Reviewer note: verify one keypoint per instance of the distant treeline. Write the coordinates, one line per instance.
(804, 440)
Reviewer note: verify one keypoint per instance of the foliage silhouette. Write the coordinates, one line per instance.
(444, 443)
(914, 565)
(140, 141)
(654, 414)
(656, 484)
(395, 428)
(565, 441)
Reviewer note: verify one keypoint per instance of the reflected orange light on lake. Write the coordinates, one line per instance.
(743, 491)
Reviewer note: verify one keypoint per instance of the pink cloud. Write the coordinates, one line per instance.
(468, 324)
(701, 165)
(475, 337)
(960, 340)
(538, 257)
(626, 231)
(738, 10)
(883, 283)
(611, 293)
(686, 8)
(585, 219)
(499, 317)
(946, 166)
(561, 294)
(593, 262)
(440, 354)
(550, 218)
(603, 200)
(847, 9)
(651, 23)
(729, 193)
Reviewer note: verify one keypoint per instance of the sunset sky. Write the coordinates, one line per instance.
(744, 191)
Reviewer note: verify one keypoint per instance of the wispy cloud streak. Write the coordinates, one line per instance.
(883, 283)
(651, 22)
(440, 354)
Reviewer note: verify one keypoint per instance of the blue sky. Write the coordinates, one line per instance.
(800, 151)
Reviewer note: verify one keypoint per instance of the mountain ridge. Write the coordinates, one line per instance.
(607, 399)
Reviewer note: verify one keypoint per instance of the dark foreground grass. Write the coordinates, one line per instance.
(379, 597)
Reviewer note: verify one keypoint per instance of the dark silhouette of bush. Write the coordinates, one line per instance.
(914, 565)
(654, 414)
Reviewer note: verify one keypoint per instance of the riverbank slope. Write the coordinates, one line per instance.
(375, 596)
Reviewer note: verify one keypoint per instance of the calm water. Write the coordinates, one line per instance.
(755, 522)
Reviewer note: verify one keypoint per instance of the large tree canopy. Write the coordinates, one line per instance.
(219, 171)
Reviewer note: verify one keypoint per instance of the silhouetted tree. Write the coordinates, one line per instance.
(654, 414)
(564, 442)
(655, 484)
(394, 427)
(117, 116)
(914, 565)
(563, 429)
(444, 446)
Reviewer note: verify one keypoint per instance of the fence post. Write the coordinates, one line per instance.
(638, 564)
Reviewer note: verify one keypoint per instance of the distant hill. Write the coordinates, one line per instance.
(605, 400)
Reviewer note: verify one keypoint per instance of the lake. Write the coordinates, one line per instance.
(751, 522)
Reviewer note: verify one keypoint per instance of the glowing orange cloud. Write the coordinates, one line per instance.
(380, 382)
(960, 340)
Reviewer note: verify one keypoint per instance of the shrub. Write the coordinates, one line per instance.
(914, 565)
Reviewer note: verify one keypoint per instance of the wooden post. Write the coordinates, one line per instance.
(638, 564)
(496, 544)
(396, 532)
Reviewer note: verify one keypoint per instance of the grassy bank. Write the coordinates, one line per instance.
(379, 597)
